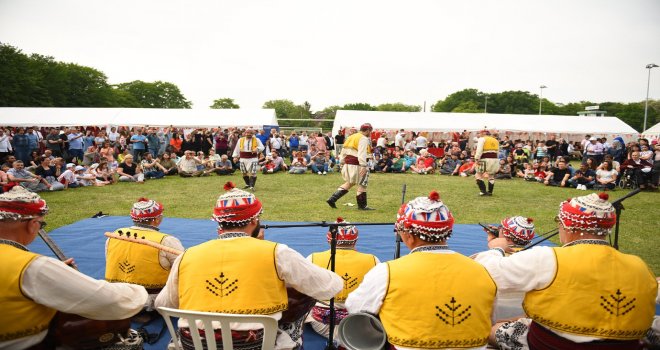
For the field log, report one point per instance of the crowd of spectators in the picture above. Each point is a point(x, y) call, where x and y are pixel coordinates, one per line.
point(54, 159)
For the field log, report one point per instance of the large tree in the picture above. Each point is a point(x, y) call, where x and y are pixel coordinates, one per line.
point(360, 106)
point(159, 94)
point(398, 107)
point(461, 97)
point(286, 109)
point(224, 103)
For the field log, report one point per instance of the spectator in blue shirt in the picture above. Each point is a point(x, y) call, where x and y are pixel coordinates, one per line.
point(153, 143)
point(75, 139)
point(33, 140)
point(139, 142)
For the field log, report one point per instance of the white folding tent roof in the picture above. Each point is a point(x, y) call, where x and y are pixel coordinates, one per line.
point(449, 122)
point(653, 132)
point(19, 116)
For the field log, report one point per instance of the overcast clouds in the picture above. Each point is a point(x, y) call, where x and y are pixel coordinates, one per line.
point(336, 52)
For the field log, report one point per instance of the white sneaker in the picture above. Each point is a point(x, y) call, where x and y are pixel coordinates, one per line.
point(325, 173)
point(319, 173)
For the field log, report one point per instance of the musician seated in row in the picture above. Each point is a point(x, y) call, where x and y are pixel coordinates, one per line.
point(433, 298)
point(137, 263)
point(34, 287)
point(241, 273)
point(583, 295)
point(350, 265)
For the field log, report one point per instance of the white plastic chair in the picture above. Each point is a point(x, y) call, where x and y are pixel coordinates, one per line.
point(269, 323)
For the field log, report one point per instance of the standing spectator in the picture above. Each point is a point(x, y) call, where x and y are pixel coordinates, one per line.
point(221, 143)
point(176, 142)
point(76, 145)
point(594, 150)
point(163, 140)
point(618, 150)
point(33, 140)
point(275, 143)
point(303, 141)
point(5, 145)
point(207, 141)
point(540, 151)
point(505, 146)
point(563, 148)
point(113, 137)
point(107, 153)
point(139, 143)
point(88, 139)
point(329, 142)
point(264, 140)
point(551, 146)
point(21, 146)
point(129, 171)
point(339, 142)
point(421, 142)
point(153, 143)
point(400, 139)
point(606, 176)
point(294, 144)
point(100, 139)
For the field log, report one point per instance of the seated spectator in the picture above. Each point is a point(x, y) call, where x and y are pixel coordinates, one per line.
point(49, 174)
point(540, 172)
point(583, 178)
point(424, 163)
point(188, 165)
point(278, 162)
point(267, 165)
point(169, 166)
point(575, 150)
point(468, 168)
point(519, 154)
point(298, 165)
point(606, 176)
point(102, 173)
point(642, 170)
point(202, 164)
point(68, 177)
point(31, 182)
point(615, 165)
point(527, 174)
point(90, 156)
point(410, 159)
point(224, 166)
point(398, 164)
point(384, 165)
point(83, 177)
point(504, 172)
point(330, 159)
point(107, 152)
point(4, 178)
point(645, 153)
point(129, 171)
point(451, 165)
point(151, 167)
point(558, 175)
point(122, 155)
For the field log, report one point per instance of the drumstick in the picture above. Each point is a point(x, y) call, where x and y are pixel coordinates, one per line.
point(134, 239)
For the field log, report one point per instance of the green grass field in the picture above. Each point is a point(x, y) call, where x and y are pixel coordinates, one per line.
point(302, 198)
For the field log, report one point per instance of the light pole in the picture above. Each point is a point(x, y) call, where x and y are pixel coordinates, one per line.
point(648, 84)
point(486, 105)
point(541, 98)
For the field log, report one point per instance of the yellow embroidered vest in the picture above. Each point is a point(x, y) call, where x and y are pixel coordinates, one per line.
point(491, 144)
point(236, 276)
point(353, 141)
point(241, 143)
point(597, 292)
point(20, 316)
point(437, 301)
point(350, 265)
point(136, 263)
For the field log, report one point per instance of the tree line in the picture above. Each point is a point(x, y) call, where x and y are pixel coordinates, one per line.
point(40, 81)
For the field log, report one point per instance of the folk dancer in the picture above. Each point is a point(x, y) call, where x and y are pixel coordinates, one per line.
point(433, 298)
point(355, 171)
point(248, 148)
point(518, 232)
point(584, 295)
point(256, 271)
point(137, 263)
point(35, 287)
point(350, 265)
point(487, 162)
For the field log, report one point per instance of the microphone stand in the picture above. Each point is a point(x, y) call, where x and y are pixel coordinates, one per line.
point(550, 234)
point(618, 207)
point(397, 248)
point(330, 345)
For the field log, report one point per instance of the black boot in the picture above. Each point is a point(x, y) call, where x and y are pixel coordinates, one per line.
point(335, 197)
point(253, 182)
point(362, 201)
point(490, 187)
point(247, 181)
point(482, 188)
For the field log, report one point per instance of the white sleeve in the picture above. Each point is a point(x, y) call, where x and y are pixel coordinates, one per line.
point(369, 296)
point(304, 276)
point(480, 148)
point(523, 271)
point(260, 145)
point(54, 284)
point(167, 259)
point(169, 295)
point(362, 155)
point(237, 148)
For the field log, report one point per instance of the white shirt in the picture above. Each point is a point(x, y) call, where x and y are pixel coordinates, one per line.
point(421, 141)
point(292, 267)
point(247, 146)
point(381, 142)
point(369, 296)
point(52, 283)
point(400, 140)
point(5, 145)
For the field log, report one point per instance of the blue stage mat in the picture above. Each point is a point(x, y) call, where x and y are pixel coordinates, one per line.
point(84, 241)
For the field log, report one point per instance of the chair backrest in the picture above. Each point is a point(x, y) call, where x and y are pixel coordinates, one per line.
point(269, 323)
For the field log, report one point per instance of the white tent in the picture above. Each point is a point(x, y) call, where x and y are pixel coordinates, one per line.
point(572, 127)
point(19, 116)
point(652, 133)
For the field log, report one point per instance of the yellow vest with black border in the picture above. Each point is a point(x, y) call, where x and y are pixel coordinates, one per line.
point(253, 145)
point(353, 141)
point(20, 316)
point(350, 265)
point(437, 300)
point(491, 144)
point(597, 292)
point(136, 263)
point(236, 276)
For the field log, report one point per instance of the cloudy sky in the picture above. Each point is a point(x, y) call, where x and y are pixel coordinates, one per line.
point(341, 51)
